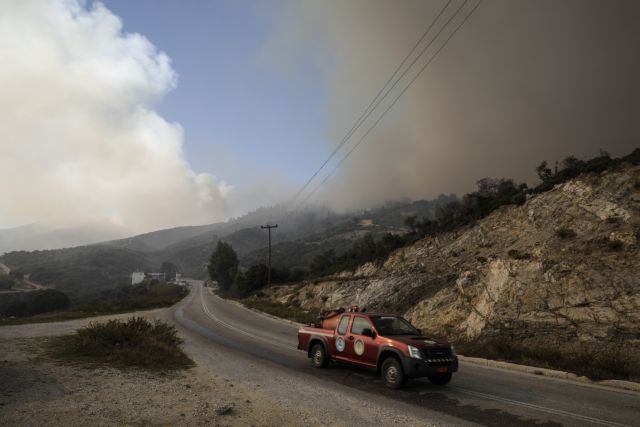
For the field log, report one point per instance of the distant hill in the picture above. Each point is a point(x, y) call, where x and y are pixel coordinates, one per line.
point(300, 237)
point(80, 270)
point(37, 237)
point(158, 240)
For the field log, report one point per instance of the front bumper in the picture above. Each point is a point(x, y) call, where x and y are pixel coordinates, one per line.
point(415, 368)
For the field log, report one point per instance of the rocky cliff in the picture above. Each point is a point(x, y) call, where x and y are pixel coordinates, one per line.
point(564, 267)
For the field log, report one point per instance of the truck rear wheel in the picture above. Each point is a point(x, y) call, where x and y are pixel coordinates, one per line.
point(440, 379)
point(319, 356)
point(392, 373)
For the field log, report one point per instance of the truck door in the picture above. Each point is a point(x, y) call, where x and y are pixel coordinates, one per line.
point(339, 344)
point(361, 349)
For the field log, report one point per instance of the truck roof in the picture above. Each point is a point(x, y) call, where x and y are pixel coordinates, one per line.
point(372, 313)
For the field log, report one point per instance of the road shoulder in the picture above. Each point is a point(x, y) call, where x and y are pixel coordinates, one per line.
point(37, 391)
point(498, 364)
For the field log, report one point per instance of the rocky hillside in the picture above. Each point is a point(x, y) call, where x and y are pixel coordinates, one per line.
point(562, 268)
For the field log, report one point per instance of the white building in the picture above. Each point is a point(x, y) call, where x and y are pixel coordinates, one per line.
point(137, 277)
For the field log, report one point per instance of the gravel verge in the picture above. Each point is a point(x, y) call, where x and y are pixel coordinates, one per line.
point(36, 391)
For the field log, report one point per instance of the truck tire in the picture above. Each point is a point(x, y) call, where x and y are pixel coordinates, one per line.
point(392, 373)
point(319, 356)
point(440, 379)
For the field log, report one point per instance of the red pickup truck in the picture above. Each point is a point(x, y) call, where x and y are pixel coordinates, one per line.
point(386, 343)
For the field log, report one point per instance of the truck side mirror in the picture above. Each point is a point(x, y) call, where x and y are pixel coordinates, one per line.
point(368, 333)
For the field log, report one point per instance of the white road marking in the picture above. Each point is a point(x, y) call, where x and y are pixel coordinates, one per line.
point(473, 393)
point(537, 407)
point(240, 331)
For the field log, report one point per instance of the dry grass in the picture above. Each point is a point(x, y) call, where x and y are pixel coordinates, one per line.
point(290, 312)
point(594, 360)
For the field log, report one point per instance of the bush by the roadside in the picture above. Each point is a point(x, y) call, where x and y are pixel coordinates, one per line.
point(33, 303)
point(27, 307)
point(594, 360)
point(132, 343)
point(290, 312)
point(516, 254)
point(565, 233)
point(143, 296)
point(6, 282)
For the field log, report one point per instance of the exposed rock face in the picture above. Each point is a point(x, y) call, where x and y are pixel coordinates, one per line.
point(563, 266)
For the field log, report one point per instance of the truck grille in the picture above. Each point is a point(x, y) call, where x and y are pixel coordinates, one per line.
point(438, 356)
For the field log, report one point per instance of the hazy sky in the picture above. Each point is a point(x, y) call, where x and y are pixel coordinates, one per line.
point(148, 114)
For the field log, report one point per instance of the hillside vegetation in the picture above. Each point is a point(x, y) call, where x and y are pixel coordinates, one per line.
point(53, 305)
point(551, 278)
point(82, 270)
point(299, 239)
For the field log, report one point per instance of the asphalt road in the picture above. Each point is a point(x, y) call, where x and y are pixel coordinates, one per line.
point(477, 394)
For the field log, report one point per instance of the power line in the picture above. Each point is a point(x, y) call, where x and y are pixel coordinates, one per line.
point(399, 96)
point(400, 78)
point(371, 107)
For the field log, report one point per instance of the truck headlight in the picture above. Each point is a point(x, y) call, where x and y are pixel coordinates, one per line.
point(414, 352)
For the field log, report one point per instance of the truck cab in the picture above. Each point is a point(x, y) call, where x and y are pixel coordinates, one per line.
point(386, 343)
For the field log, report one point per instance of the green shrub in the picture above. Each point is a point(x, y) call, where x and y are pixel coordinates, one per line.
point(128, 298)
point(290, 312)
point(6, 282)
point(615, 245)
point(13, 307)
point(613, 220)
point(46, 300)
point(565, 233)
point(516, 254)
point(294, 302)
point(33, 303)
point(132, 343)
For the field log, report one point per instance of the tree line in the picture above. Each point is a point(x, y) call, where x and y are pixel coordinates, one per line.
point(224, 269)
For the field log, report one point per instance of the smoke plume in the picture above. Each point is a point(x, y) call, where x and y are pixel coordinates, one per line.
point(521, 82)
point(80, 140)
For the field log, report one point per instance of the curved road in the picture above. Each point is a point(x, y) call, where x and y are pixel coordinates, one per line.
point(477, 394)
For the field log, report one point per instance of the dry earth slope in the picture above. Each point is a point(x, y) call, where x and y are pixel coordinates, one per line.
point(564, 267)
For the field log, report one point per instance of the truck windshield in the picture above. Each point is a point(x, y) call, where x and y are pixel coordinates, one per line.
point(393, 325)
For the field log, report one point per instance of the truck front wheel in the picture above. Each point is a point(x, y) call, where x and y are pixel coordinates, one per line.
point(319, 356)
point(392, 373)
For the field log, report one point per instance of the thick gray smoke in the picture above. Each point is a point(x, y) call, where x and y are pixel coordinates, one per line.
point(521, 82)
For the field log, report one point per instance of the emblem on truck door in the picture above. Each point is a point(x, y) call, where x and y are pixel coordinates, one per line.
point(340, 344)
point(358, 347)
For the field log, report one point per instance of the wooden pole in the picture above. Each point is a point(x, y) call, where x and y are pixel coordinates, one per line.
point(269, 227)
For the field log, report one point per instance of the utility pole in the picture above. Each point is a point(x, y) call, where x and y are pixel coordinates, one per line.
point(269, 227)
